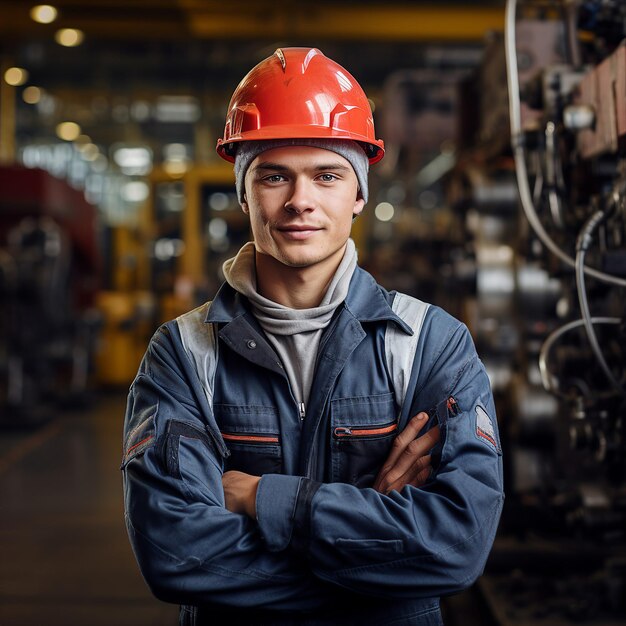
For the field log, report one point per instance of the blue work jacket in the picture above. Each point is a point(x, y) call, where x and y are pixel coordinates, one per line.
point(326, 548)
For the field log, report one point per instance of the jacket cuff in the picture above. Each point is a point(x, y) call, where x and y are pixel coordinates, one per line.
point(276, 499)
point(301, 538)
point(283, 509)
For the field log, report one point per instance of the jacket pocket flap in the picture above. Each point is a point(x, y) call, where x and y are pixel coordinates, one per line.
point(377, 545)
point(174, 430)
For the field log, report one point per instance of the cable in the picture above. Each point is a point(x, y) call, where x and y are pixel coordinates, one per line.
point(552, 166)
point(583, 244)
point(547, 380)
point(517, 142)
point(538, 186)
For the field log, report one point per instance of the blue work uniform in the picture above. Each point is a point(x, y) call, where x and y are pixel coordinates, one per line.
point(325, 548)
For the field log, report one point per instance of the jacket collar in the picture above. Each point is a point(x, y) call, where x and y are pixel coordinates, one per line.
point(366, 301)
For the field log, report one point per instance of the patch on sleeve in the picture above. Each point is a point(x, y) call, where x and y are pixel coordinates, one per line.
point(140, 438)
point(484, 427)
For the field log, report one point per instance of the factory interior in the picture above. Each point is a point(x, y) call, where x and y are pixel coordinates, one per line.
point(501, 198)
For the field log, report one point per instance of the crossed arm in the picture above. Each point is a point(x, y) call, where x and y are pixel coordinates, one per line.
point(408, 463)
point(192, 548)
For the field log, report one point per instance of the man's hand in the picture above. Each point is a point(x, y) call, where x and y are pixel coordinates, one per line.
point(408, 462)
point(240, 492)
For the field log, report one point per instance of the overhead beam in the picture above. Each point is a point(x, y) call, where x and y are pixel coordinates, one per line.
point(332, 21)
point(286, 20)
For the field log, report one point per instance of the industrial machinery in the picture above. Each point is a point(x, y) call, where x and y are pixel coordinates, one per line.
point(549, 312)
point(49, 273)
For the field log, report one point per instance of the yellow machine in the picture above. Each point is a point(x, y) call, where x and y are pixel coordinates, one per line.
point(167, 262)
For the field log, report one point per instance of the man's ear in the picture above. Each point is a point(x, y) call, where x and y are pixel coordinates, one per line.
point(244, 205)
point(358, 206)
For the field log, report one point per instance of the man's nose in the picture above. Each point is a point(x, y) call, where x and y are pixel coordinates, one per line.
point(302, 196)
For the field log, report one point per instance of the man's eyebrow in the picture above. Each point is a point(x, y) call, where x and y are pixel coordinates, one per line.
point(333, 166)
point(271, 166)
point(278, 167)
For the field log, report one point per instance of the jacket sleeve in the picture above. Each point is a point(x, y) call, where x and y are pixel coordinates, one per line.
point(418, 542)
point(189, 547)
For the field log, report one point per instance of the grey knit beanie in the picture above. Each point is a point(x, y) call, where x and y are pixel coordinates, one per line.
point(247, 151)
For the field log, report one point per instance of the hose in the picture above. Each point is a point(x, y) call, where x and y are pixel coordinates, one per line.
point(519, 155)
point(583, 244)
point(547, 380)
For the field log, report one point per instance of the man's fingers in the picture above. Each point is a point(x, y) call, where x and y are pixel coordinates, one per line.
point(416, 476)
point(406, 448)
point(396, 479)
point(411, 454)
point(409, 433)
point(423, 444)
point(421, 478)
point(411, 430)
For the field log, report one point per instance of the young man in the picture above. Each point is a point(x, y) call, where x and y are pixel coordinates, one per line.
point(309, 448)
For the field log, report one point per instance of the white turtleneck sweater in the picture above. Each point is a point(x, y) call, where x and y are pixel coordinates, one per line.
point(294, 333)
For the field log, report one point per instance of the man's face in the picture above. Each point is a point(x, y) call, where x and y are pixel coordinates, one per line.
point(301, 201)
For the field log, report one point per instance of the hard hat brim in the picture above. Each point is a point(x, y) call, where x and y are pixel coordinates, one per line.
point(375, 151)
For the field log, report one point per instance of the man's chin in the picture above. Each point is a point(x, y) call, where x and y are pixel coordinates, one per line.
point(298, 262)
point(303, 256)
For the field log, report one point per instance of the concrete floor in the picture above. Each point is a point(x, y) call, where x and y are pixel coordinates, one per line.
point(65, 559)
point(64, 555)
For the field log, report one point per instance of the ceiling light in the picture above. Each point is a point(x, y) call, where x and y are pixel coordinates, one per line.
point(177, 109)
point(16, 76)
point(68, 131)
point(31, 95)
point(89, 151)
point(219, 201)
point(69, 37)
point(82, 140)
point(132, 159)
point(135, 191)
point(384, 211)
point(218, 228)
point(175, 152)
point(176, 169)
point(44, 13)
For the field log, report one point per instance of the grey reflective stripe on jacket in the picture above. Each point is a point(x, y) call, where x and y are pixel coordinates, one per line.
point(323, 537)
point(400, 349)
point(200, 343)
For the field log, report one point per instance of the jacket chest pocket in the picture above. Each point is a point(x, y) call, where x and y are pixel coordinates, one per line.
point(252, 435)
point(362, 432)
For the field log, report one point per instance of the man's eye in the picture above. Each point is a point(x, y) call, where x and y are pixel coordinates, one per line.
point(327, 178)
point(274, 178)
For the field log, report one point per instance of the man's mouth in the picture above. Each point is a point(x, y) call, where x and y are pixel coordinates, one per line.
point(299, 231)
point(299, 227)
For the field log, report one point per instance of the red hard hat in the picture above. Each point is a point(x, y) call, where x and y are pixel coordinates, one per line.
point(298, 93)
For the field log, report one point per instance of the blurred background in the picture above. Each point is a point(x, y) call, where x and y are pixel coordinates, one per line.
point(502, 198)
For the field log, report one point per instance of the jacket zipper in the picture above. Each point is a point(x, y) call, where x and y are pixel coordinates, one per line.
point(302, 411)
point(327, 333)
point(349, 432)
point(258, 439)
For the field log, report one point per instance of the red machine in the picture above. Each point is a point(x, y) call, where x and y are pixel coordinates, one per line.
point(49, 275)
